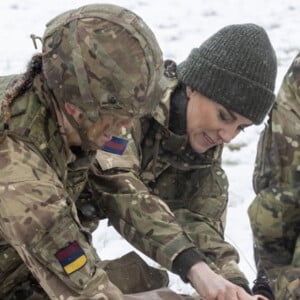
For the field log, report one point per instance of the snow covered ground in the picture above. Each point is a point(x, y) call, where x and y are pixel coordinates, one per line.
point(179, 26)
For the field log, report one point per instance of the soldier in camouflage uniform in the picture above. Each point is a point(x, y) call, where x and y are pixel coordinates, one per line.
point(167, 195)
point(275, 212)
point(99, 68)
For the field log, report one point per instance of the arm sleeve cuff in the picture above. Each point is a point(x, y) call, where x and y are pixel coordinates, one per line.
point(185, 260)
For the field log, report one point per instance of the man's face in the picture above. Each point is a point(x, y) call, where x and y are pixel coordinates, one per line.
point(99, 132)
point(102, 131)
point(210, 124)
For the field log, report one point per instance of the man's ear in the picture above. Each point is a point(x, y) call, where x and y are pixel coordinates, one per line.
point(70, 108)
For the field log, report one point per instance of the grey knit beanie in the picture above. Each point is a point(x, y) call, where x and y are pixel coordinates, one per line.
point(235, 67)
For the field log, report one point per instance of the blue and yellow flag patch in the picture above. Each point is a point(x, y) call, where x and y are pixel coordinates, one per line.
point(72, 257)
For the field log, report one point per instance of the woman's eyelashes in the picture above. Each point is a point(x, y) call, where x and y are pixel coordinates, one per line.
point(224, 116)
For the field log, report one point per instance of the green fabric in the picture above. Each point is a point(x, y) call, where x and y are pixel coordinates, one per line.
point(275, 212)
point(132, 275)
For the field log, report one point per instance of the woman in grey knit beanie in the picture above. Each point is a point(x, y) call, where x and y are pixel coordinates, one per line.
point(236, 70)
point(225, 85)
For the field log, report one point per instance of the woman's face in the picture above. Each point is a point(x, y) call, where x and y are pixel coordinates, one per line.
point(210, 123)
point(98, 132)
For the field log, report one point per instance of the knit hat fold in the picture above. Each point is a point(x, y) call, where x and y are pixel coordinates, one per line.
point(235, 67)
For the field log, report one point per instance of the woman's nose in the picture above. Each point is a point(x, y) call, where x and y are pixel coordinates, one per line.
point(227, 134)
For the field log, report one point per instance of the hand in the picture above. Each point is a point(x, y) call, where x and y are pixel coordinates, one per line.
point(212, 286)
point(260, 297)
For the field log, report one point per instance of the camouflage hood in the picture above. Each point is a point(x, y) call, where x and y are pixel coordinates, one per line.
point(102, 58)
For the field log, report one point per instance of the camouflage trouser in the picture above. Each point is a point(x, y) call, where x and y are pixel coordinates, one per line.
point(275, 221)
point(129, 273)
point(39, 221)
point(24, 288)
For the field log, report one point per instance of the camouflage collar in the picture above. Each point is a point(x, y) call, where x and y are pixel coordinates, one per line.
point(162, 111)
point(177, 122)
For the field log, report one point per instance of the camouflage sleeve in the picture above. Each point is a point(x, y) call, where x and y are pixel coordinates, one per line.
point(277, 159)
point(142, 218)
point(39, 220)
point(205, 222)
point(274, 213)
point(148, 223)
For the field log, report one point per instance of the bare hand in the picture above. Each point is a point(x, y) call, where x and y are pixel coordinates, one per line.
point(212, 286)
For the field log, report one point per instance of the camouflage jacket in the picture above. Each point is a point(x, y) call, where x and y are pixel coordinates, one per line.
point(159, 167)
point(275, 212)
point(40, 180)
point(278, 154)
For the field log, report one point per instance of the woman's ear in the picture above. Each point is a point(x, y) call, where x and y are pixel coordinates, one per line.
point(188, 91)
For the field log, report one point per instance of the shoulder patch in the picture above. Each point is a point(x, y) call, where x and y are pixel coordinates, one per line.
point(72, 257)
point(116, 145)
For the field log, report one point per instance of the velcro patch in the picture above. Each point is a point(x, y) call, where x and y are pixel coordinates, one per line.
point(116, 145)
point(72, 257)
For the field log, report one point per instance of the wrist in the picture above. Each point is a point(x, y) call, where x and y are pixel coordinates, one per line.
point(185, 261)
point(198, 268)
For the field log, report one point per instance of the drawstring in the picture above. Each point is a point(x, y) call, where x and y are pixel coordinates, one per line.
point(34, 38)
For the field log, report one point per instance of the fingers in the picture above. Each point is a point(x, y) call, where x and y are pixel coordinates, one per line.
point(260, 297)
